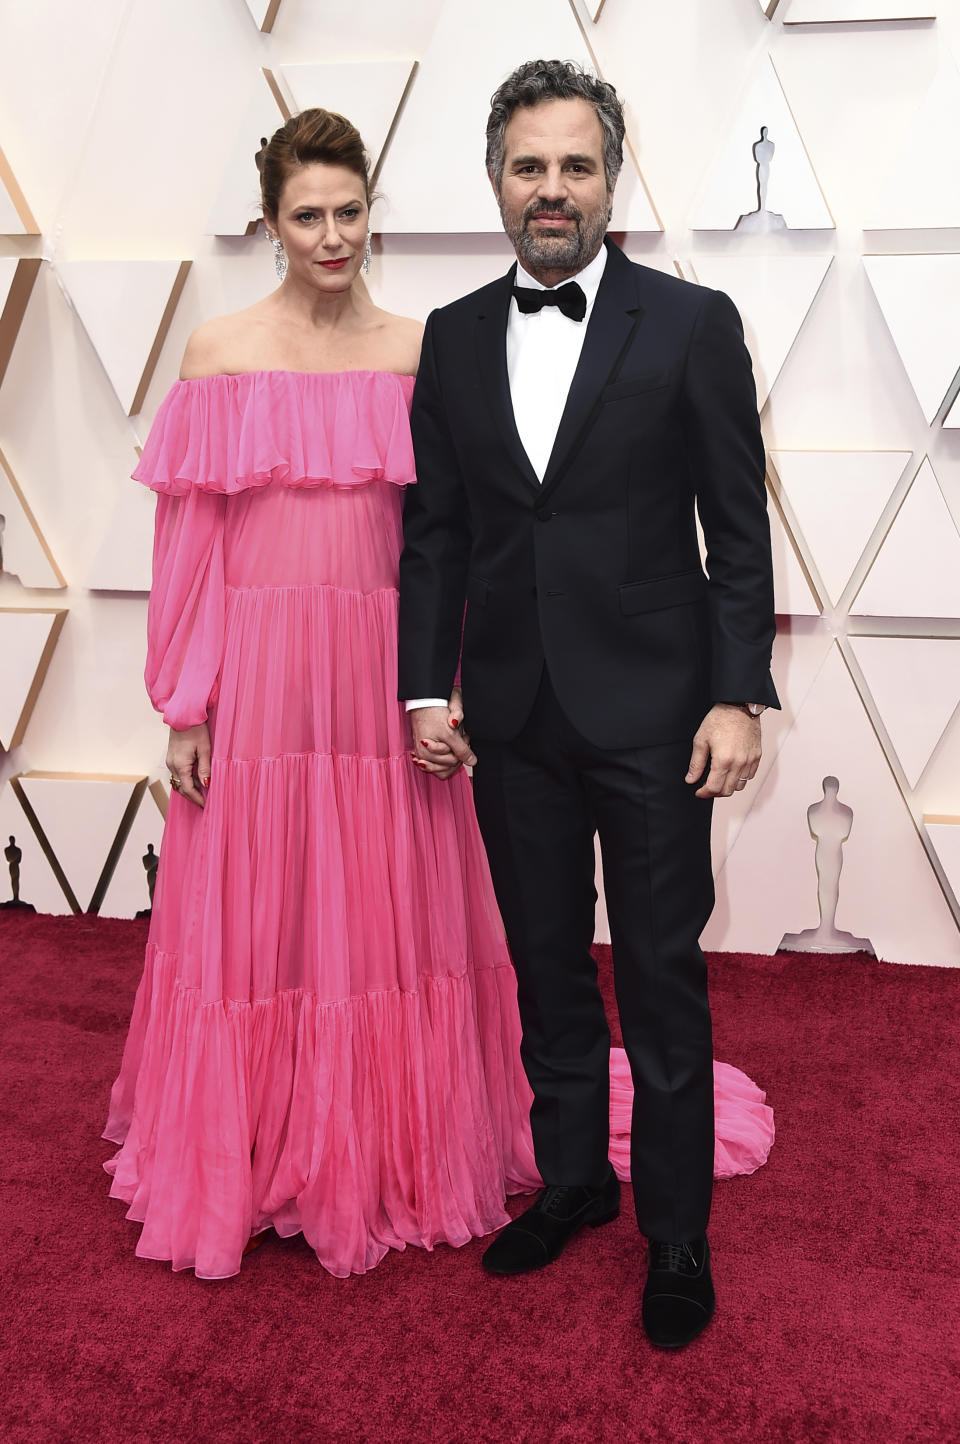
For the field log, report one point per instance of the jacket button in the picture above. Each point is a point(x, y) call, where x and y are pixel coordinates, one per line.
point(543, 514)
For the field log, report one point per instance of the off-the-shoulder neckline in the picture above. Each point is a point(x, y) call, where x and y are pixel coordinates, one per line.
point(281, 371)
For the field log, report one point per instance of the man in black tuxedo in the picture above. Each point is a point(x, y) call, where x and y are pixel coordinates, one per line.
point(569, 421)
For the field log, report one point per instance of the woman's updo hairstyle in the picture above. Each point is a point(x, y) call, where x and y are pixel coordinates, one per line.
point(314, 136)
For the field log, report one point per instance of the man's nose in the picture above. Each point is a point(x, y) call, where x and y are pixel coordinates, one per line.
point(553, 184)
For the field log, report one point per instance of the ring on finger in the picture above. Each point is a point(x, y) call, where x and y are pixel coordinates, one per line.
point(175, 783)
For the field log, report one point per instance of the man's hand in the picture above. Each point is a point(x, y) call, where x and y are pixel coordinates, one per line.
point(189, 752)
point(729, 740)
point(440, 745)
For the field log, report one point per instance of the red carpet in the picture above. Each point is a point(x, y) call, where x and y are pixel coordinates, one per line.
point(837, 1265)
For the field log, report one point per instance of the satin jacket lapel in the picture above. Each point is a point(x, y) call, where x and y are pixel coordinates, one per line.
point(492, 356)
point(615, 316)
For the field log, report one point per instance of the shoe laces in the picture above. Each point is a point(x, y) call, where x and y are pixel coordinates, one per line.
point(555, 1200)
point(676, 1258)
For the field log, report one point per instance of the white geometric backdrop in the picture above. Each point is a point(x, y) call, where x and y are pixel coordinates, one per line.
point(128, 209)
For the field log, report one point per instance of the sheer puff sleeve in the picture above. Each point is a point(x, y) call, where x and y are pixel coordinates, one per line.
point(185, 615)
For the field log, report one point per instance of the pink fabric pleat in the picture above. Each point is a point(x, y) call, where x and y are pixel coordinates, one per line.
point(326, 1036)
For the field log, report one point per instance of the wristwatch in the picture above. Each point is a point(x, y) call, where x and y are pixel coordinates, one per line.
point(753, 709)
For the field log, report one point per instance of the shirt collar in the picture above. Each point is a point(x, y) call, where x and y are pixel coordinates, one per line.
point(588, 279)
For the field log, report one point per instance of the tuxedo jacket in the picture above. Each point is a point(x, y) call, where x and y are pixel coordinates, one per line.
point(596, 571)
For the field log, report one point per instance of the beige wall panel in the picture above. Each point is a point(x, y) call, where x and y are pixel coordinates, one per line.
point(128, 892)
point(922, 188)
point(236, 208)
point(888, 890)
point(480, 47)
point(920, 300)
point(17, 278)
point(24, 553)
point(827, 12)
point(837, 498)
point(126, 308)
point(368, 92)
point(917, 570)
point(731, 189)
point(773, 295)
point(80, 818)
point(53, 63)
point(38, 882)
point(264, 12)
point(124, 560)
point(16, 217)
point(799, 652)
point(915, 686)
point(792, 592)
point(27, 643)
point(944, 834)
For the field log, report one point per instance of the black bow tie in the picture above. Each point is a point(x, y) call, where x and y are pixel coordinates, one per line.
point(569, 298)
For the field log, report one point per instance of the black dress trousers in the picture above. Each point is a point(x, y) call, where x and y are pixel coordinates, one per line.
point(540, 798)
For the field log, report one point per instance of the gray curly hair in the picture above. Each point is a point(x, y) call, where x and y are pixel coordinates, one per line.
point(539, 80)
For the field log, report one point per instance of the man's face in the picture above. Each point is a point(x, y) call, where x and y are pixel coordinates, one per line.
point(553, 200)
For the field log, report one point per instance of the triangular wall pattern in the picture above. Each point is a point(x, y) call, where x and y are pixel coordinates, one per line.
point(920, 300)
point(773, 295)
point(731, 189)
point(124, 559)
point(837, 498)
point(23, 551)
point(479, 46)
point(768, 7)
point(922, 188)
point(944, 834)
point(126, 308)
point(952, 418)
point(128, 892)
point(16, 283)
point(836, 12)
point(917, 570)
point(798, 655)
point(27, 643)
point(264, 13)
point(84, 819)
point(16, 217)
point(792, 593)
point(370, 92)
point(915, 684)
point(38, 883)
point(236, 209)
point(888, 890)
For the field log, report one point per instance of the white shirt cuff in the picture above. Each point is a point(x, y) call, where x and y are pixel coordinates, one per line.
point(416, 702)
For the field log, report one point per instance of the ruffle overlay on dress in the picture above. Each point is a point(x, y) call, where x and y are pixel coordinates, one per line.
point(229, 433)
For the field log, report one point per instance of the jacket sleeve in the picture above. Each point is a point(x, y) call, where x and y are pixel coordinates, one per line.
point(186, 610)
point(436, 551)
point(725, 447)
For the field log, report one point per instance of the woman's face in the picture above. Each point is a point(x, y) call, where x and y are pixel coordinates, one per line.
point(322, 222)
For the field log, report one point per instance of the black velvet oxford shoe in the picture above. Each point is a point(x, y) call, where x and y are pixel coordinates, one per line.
point(540, 1234)
point(678, 1298)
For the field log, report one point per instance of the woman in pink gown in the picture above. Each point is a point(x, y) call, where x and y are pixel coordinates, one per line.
point(325, 1039)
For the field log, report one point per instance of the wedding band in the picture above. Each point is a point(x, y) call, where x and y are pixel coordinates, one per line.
point(743, 779)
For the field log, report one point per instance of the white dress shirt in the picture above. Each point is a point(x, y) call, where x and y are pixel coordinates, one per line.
point(543, 348)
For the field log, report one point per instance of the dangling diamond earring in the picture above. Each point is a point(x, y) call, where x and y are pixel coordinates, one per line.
point(367, 254)
point(279, 255)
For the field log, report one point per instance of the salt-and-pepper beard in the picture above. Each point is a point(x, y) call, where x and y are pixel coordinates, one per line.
point(556, 252)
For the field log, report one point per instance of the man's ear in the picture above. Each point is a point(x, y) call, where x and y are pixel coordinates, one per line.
point(493, 186)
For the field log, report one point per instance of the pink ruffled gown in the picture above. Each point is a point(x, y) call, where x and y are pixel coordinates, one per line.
point(325, 1038)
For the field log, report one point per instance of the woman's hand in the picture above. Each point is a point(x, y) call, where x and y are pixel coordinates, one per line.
point(188, 758)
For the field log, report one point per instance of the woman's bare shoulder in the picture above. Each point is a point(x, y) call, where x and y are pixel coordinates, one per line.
point(220, 345)
point(404, 336)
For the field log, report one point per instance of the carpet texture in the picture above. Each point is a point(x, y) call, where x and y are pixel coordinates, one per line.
point(837, 1265)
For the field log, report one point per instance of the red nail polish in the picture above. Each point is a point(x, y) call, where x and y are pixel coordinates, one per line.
point(454, 721)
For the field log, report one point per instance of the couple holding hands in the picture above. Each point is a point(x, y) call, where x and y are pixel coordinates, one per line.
point(383, 554)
